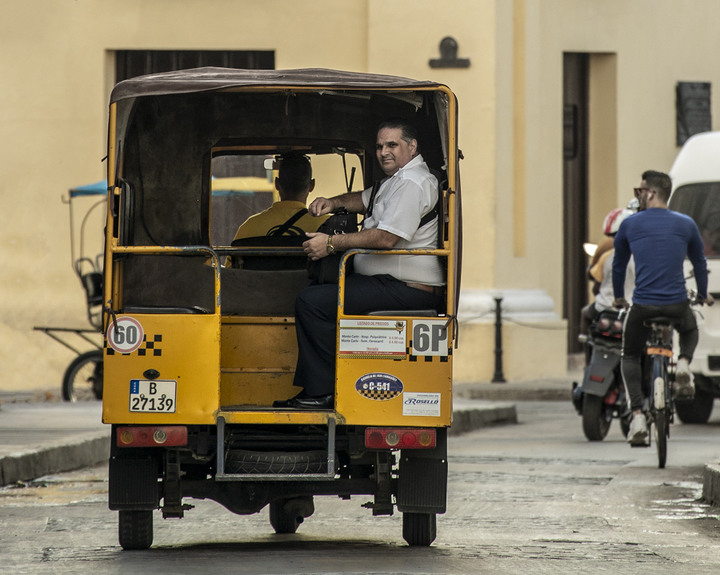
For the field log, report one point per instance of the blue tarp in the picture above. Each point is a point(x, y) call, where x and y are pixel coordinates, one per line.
point(96, 189)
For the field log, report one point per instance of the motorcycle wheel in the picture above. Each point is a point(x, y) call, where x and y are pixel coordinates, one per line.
point(596, 417)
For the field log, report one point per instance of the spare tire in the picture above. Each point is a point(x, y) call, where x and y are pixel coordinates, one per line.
point(281, 462)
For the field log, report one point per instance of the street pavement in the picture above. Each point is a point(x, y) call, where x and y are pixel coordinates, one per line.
point(40, 435)
point(40, 438)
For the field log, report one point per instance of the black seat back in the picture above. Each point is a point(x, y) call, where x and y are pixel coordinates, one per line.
point(270, 259)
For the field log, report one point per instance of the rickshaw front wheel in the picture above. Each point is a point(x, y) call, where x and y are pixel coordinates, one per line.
point(419, 529)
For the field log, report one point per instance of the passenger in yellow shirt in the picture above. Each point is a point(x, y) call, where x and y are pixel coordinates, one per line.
point(294, 183)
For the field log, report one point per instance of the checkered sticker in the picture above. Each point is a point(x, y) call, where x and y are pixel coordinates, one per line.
point(379, 386)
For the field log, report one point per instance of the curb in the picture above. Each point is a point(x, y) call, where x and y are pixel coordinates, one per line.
point(63, 455)
point(470, 415)
point(711, 484)
point(549, 390)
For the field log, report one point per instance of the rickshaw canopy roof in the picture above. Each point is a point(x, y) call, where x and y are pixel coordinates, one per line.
point(208, 79)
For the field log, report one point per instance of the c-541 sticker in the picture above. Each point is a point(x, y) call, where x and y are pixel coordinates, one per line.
point(379, 386)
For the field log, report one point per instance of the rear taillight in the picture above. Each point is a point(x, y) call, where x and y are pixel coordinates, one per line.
point(399, 438)
point(151, 436)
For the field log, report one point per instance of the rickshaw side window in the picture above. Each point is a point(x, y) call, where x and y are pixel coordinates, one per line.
point(702, 203)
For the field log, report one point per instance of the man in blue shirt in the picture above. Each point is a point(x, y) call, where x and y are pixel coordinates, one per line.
point(659, 240)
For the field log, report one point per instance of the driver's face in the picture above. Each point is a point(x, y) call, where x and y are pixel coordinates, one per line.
point(392, 151)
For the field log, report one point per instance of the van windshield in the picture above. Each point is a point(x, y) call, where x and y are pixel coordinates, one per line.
point(702, 203)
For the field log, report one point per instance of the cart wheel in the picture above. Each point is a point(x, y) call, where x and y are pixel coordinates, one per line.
point(419, 529)
point(135, 529)
point(83, 379)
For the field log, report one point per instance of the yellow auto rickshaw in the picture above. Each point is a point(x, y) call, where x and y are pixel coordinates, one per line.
point(196, 350)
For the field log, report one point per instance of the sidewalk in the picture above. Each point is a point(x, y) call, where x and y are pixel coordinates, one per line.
point(40, 438)
point(43, 437)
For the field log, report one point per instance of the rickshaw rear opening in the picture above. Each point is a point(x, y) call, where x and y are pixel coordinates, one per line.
point(200, 331)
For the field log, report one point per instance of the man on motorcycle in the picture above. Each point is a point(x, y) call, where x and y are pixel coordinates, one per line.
point(659, 240)
point(600, 270)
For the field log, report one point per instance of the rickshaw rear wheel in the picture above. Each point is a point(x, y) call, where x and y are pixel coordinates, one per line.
point(286, 515)
point(135, 529)
point(419, 529)
point(83, 379)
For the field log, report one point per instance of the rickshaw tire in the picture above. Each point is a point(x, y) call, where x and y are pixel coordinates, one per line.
point(419, 529)
point(135, 529)
point(94, 357)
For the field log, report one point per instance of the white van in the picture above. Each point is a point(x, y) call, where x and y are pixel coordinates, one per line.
point(696, 192)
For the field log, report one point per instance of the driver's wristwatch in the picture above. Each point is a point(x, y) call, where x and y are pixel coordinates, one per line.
point(330, 247)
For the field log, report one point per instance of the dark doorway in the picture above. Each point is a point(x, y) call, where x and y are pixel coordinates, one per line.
point(131, 63)
point(575, 191)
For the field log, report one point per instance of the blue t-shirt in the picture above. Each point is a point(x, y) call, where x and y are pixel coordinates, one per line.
point(659, 239)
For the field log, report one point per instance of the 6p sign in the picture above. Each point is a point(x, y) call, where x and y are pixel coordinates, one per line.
point(125, 335)
point(429, 337)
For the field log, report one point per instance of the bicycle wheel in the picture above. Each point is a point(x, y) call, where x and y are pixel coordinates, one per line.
point(661, 437)
point(661, 408)
point(84, 377)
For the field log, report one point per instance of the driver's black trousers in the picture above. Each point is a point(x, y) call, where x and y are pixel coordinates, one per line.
point(635, 336)
point(316, 311)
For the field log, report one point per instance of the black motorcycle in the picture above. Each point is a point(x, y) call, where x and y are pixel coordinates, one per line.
point(601, 397)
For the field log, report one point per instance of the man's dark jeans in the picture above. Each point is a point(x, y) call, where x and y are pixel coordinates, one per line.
point(635, 336)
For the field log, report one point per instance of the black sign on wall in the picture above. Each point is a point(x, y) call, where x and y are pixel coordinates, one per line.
point(692, 106)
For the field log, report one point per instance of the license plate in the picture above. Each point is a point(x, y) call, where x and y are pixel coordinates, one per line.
point(152, 395)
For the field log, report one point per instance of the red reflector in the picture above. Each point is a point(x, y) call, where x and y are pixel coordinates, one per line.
point(151, 436)
point(597, 378)
point(400, 438)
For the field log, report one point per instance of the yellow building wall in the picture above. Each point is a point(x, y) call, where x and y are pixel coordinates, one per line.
point(57, 72)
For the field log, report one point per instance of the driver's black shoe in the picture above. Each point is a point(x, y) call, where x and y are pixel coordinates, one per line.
point(305, 402)
point(287, 403)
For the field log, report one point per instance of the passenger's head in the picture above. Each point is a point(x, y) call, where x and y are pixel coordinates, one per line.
point(294, 181)
point(656, 183)
point(396, 144)
point(615, 217)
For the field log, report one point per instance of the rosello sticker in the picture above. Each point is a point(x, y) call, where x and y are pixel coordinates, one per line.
point(125, 335)
point(379, 386)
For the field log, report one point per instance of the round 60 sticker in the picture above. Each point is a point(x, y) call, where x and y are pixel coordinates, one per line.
point(125, 335)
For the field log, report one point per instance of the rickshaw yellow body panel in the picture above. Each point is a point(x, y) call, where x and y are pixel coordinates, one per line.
point(184, 349)
point(258, 356)
point(384, 379)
